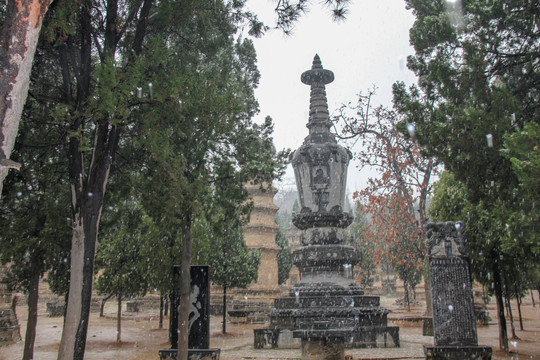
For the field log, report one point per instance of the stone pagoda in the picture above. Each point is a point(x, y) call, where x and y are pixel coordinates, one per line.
point(252, 305)
point(326, 309)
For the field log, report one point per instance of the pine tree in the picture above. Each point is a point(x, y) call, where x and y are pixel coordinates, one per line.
point(478, 81)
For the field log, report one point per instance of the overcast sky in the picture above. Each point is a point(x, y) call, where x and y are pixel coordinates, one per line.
point(369, 48)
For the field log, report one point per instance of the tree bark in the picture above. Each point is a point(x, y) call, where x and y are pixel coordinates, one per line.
point(427, 323)
point(518, 300)
point(18, 41)
point(119, 319)
point(30, 336)
point(509, 308)
point(224, 326)
point(88, 184)
point(83, 249)
point(407, 298)
point(102, 307)
point(185, 289)
point(497, 287)
point(161, 303)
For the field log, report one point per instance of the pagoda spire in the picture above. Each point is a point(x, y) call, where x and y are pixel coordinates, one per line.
point(319, 118)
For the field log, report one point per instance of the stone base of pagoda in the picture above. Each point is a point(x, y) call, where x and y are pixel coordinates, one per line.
point(328, 348)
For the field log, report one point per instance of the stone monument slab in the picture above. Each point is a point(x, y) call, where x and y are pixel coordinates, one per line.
point(199, 310)
point(454, 320)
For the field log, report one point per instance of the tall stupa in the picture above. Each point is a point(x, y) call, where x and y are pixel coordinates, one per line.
point(326, 309)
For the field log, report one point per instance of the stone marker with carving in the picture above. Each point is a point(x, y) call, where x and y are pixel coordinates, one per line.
point(454, 321)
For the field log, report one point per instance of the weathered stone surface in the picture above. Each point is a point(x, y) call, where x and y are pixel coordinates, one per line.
point(308, 219)
point(9, 328)
point(320, 257)
point(325, 236)
point(57, 308)
point(320, 164)
point(323, 349)
point(453, 307)
point(457, 352)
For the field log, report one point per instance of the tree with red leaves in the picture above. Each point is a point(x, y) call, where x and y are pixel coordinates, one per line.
point(395, 200)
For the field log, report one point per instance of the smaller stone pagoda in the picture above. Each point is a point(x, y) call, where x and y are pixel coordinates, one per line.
point(252, 305)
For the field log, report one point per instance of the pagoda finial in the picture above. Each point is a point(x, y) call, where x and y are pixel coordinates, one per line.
point(319, 120)
point(317, 75)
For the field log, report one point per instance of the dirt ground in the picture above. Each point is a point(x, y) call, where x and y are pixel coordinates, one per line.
point(141, 337)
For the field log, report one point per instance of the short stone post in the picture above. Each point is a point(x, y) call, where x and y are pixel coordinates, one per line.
point(454, 321)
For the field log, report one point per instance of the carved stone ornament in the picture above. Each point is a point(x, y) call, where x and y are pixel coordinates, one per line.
point(446, 239)
point(320, 164)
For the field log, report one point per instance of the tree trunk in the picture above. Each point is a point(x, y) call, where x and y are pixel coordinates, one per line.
point(87, 202)
point(509, 307)
point(83, 249)
point(185, 289)
point(427, 323)
point(407, 299)
point(102, 307)
point(518, 300)
point(497, 287)
point(532, 298)
point(88, 184)
point(119, 319)
point(224, 326)
point(18, 41)
point(161, 303)
point(30, 337)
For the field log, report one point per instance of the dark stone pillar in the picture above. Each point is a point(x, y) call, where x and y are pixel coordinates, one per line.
point(175, 303)
point(199, 315)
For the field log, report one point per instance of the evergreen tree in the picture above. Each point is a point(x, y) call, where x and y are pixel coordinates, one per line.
point(366, 248)
point(122, 261)
point(107, 74)
point(478, 80)
point(232, 265)
point(284, 261)
point(34, 215)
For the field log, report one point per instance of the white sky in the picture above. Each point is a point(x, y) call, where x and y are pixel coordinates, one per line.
point(369, 48)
